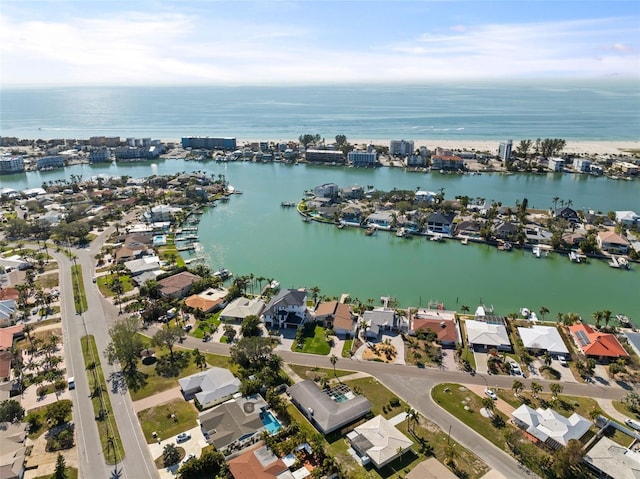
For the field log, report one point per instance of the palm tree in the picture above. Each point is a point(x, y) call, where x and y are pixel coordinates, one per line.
point(607, 317)
point(546, 357)
point(517, 386)
point(536, 388)
point(559, 316)
point(412, 416)
point(555, 202)
point(315, 292)
point(556, 388)
point(489, 405)
point(597, 317)
point(464, 308)
point(334, 360)
point(450, 455)
point(543, 311)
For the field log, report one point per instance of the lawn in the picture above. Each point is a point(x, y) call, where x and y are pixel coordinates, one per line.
point(170, 254)
point(565, 405)
point(208, 325)
point(308, 372)
point(71, 473)
point(468, 355)
point(624, 409)
point(346, 348)
point(41, 422)
point(316, 344)
point(104, 282)
point(50, 280)
point(107, 428)
point(168, 419)
point(79, 296)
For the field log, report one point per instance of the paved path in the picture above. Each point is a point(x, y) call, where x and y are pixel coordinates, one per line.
point(501, 404)
point(607, 407)
point(157, 399)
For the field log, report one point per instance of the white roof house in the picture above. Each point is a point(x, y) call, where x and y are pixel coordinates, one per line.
point(139, 266)
point(379, 440)
point(543, 338)
point(628, 218)
point(614, 460)
point(241, 307)
point(480, 333)
point(550, 427)
point(210, 387)
point(378, 320)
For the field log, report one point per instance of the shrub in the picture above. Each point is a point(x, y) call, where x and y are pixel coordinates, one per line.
point(394, 402)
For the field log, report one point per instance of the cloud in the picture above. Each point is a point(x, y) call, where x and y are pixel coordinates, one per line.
point(619, 47)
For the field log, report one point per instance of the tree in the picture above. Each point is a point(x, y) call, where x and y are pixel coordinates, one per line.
point(229, 332)
point(536, 388)
point(412, 417)
point(523, 148)
point(170, 454)
point(632, 401)
point(567, 459)
point(253, 349)
point(58, 411)
point(489, 405)
point(307, 139)
point(199, 358)
point(61, 468)
point(597, 318)
point(517, 386)
point(150, 289)
point(168, 337)
point(315, 292)
point(543, 311)
point(11, 410)
point(250, 326)
point(556, 388)
point(617, 368)
point(546, 358)
point(334, 360)
point(125, 345)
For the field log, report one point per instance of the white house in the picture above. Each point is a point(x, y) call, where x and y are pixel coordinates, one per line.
point(379, 320)
point(556, 164)
point(210, 387)
point(483, 335)
point(543, 338)
point(628, 218)
point(379, 441)
point(548, 426)
point(287, 309)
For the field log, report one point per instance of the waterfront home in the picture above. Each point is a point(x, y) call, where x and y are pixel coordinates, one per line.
point(130, 252)
point(8, 334)
point(612, 242)
point(14, 450)
point(240, 308)
point(354, 192)
point(287, 309)
point(447, 163)
point(549, 427)
point(382, 219)
point(401, 147)
point(609, 459)
point(556, 164)
point(259, 463)
point(567, 214)
point(210, 387)
point(441, 322)
point(378, 441)
point(328, 409)
point(537, 234)
point(178, 285)
point(595, 344)
point(328, 190)
point(425, 196)
point(208, 301)
point(628, 218)
point(626, 168)
point(416, 161)
point(582, 165)
point(336, 316)
point(324, 156)
point(505, 230)
point(537, 339)
point(483, 335)
point(634, 341)
point(379, 320)
point(440, 223)
point(469, 228)
point(351, 214)
point(574, 238)
point(142, 265)
point(236, 423)
point(161, 213)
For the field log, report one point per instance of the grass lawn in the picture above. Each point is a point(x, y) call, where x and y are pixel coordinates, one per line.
point(104, 282)
point(308, 372)
point(208, 325)
point(618, 437)
point(41, 423)
point(565, 405)
point(170, 254)
point(159, 419)
point(316, 344)
point(622, 408)
point(346, 348)
point(468, 355)
point(79, 296)
point(107, 428)
point(71, 473)
point(50, 280)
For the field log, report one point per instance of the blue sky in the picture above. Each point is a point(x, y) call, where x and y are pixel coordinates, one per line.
point(95, 42)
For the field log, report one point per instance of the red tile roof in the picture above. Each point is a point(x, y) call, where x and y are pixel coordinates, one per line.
point(600, 344)
point(445, 333)
point(8, 334)
point(248, 466)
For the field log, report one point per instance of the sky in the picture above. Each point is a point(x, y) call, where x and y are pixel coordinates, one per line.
point(116, 42)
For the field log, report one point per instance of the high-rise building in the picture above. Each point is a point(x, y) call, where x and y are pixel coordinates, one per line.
point(401, 147)
point(504, 150)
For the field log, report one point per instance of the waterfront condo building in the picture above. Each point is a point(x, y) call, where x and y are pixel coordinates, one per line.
point(582, 165)
point(556, 164)
point(209, 143)
point(11, 164)
point(100, 155)
point(48, 162)
point(324, 156)
point(401, 147)
point(504, 150)
point(363, 158)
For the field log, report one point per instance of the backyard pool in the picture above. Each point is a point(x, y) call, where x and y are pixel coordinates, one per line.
point(271, 424)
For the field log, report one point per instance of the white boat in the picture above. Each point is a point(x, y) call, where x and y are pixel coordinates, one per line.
point(401, 233)
point(536, 251)
point(436, 237)
point(613, 262)
point(465, 241)
point(274, 285)
point(574, 257)
point(623, 262)
point(525, 312)
point(624, 320)
point(223, 273)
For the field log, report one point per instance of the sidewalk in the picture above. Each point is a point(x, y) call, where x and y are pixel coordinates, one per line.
point(157, 399)
point(607, 408)
point(501, 405)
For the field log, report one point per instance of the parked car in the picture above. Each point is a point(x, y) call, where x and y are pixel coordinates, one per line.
point(71, 383)
point(515, 369)
point(491, 394)
point(188, 458)
point(182, 437)
point(563, 361)
point(633, 424)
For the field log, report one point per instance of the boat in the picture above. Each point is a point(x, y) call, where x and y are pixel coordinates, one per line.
point(436, 237)
point(371, 230)
point(306, 219)
point(274, 285)
point(623, 320)
point(525, 312)
point(574, 257)
point(613, 262)
point(223, 273)
point(623, 262)
point(340, 225)
point(536, 251)
point(287, 204)
point(465, 241)
point(401, 233)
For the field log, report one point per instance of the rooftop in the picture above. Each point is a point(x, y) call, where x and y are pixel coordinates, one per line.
point(380, 440)
point(595, 343)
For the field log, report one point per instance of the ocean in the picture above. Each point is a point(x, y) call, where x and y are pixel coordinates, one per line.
point(572, 110)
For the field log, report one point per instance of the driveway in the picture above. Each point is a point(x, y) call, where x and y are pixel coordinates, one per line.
point(157, 399)
point(481, 362)
point(449, 362)
point(566, 376)
point(192, 446)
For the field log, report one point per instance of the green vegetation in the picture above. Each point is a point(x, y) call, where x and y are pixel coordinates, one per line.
point(309, 372)
point(105, 285)
point(206, 327)
point(107, 429)
point(346, 348)
point(167, 419)
point(79, 295)
point(315, 341)
point(170, 254)
point(467, 355)
point(71, 473)
point(50, 280)
point(565, 405)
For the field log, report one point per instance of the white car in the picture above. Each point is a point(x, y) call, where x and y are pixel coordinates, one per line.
point(188, 458)
point(515, 369)
point(182, 437)
point(491, 394)
point(563, 361)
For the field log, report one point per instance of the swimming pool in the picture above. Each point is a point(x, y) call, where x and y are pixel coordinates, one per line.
point(271, 424)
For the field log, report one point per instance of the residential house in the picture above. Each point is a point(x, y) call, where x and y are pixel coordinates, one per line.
point(426, 196)
point(237, 422)
point(483, 335)
point(550, 427)
point(440, 223)
point(142, 265)
point(161, 213)
point(611, 460)
point(378, 441)
point(336, 316)
point(447, 163)
point(440, 322)
point(7, 311)
point(210, 387)
point(538, 339)
point(470, 228)
point(328, 409)
point(287, 309)
point(178, 285)
point(628, 218)
point(379, 320)
point(327, 190)
point(595, 344)
point(634, 341)
point(612, 242)
point(354, 192)
point(505, 230)
point(130, 252)
point(567, 214)
point(382, 219)
point(351, 214)
point(595, 219)
point(556, 164)
point(13, 450)
point(208, 301)
point(240, 308)
point(259, 463)
point(9, 334)
point(430, 469)
point(416, 161)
